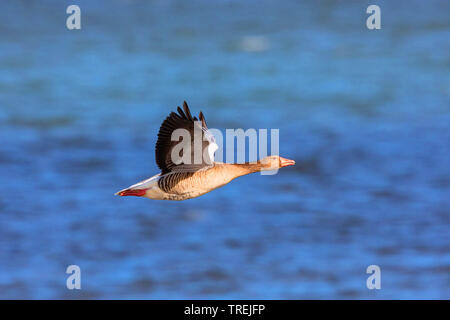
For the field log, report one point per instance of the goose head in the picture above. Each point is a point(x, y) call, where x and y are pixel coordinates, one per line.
point(275, 162)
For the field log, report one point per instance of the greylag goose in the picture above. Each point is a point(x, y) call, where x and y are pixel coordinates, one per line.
point(185, 181)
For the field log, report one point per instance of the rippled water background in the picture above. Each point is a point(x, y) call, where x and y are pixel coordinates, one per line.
point(364, 113)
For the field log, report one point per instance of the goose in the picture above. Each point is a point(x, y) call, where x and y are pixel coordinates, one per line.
point(187, 179)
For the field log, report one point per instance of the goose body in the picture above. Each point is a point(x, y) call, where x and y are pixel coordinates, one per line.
point(181, 181)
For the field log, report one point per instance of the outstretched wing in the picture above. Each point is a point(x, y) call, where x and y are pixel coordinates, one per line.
point(176, 150)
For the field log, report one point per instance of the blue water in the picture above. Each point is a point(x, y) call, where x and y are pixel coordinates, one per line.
point(365, 114)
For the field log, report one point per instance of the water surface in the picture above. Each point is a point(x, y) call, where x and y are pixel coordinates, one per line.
point(365, 114)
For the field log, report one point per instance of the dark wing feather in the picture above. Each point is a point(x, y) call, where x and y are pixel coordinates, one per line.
point(164, 144)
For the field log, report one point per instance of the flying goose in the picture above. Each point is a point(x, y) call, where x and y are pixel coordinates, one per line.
point(189, 179)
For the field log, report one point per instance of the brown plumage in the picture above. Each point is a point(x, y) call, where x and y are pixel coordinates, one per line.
point(185, 176)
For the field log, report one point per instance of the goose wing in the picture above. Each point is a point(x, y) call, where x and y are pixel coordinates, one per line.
point(176, 149)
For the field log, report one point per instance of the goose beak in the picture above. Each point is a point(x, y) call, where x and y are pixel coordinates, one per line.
point(286, 162)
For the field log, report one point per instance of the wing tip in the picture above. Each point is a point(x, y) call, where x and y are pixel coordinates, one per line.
point(187, 111)
point(181, 113)
point(201, 116)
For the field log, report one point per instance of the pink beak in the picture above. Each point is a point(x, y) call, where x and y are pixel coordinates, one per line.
point(286, 162)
